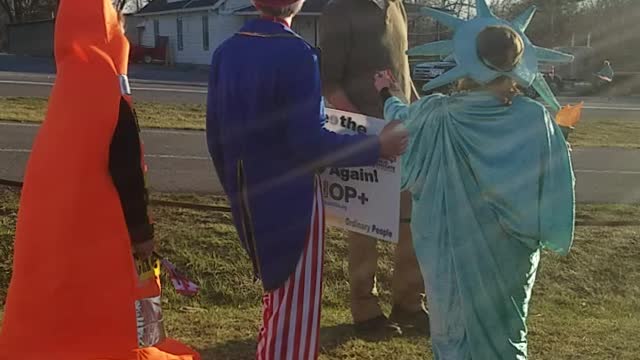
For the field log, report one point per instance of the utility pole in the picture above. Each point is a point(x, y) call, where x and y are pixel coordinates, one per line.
point(573, 39)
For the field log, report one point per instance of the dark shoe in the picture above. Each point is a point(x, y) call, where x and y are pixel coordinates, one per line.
point(377, 328)
point(414, 320)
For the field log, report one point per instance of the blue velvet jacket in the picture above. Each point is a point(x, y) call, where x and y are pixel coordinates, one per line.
point(265, 118)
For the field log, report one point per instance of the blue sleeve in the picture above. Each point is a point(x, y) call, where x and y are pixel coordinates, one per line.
point(395, 109)
point(305, 133)
point(421, 120)
point(557, 197)
point(214, 138)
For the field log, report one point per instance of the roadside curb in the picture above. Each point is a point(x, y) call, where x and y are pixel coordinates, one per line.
point(52, 77)
point(171, 83)
point(25, 123)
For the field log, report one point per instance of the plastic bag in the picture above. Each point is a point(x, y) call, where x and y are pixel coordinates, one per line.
point(150, 322)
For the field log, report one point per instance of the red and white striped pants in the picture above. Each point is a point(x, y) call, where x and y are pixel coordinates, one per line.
point(291, 314)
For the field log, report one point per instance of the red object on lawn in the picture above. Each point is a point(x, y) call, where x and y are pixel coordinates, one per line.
point(181, 283)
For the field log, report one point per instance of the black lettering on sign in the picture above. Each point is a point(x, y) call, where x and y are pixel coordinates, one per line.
point(338, 192)
point(385, 233)
point(363, 198)
point(355, 174)
point(346, 122)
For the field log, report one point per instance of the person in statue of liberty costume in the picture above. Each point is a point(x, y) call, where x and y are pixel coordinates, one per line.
point(604, 78)
point(606, 73)
point(492, 184)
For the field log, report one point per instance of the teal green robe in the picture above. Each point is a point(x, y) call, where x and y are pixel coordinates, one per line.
point(492, 185)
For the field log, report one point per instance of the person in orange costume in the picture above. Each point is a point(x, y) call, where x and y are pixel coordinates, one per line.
point(83, 208)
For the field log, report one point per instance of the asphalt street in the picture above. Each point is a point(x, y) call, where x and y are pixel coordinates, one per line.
point(39, 85)
point(178, 162)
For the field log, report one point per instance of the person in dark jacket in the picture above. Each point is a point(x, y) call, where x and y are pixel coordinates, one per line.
point(265, 118)
point(359, 38)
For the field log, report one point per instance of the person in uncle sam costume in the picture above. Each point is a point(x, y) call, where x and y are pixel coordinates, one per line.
point(265, 118)
point(83, 214)
point(492, 183)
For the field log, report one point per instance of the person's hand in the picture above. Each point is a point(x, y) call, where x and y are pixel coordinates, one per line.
point(144, 250)
point(384, 79)
point(394, 140)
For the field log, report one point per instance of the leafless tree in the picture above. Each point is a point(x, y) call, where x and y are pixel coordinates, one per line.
point(27, 10)
point(120, 4)
point(610, 27)
point(457, 7)
point(30, 10)
point(129, 6)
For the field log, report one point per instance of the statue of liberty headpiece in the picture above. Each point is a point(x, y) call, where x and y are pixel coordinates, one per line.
point(463, 49)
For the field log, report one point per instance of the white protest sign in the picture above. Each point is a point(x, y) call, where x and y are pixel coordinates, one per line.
point(365, 200)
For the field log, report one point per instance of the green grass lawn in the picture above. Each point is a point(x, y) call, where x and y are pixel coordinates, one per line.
point(607, 133)
point(151, 115)
point(622, 132)
point(585, 305)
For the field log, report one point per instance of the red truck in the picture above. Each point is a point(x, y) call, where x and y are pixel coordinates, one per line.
point(148, 54)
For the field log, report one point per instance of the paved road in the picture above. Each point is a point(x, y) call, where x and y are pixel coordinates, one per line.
point(46, 66)
point(39, 85)
point(35, 84)
point(179, 162)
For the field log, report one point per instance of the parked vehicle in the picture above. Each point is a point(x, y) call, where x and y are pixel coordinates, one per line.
point(147, 54)
point(424, 72)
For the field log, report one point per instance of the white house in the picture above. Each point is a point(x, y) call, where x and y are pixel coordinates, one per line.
point(196, 27)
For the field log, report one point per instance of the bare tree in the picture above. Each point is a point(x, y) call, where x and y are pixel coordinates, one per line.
point(425, 29)
point(610, 27)
point(129, 6)
point(457, 7)
point(28, 10)
point(119, 4)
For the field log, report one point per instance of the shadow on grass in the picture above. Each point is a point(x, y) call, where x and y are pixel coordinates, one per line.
point(334, 337)
point(331, 338)
point(231, 350)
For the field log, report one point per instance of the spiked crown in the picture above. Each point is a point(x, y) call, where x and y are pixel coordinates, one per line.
point(463, 50)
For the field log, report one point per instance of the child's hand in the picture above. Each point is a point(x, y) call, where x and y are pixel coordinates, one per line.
point(569, 115)
point(384, 79)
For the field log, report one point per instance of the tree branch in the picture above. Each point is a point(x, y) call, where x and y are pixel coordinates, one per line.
point(6, 5)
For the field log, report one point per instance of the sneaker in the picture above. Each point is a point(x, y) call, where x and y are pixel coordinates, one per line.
point(414, 320)
point(377, 328)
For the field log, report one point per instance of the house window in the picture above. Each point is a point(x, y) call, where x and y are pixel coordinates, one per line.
point(205, 32)
point(180, 35)
point(156, 31)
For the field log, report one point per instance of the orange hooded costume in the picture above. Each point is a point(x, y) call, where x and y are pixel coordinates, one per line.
point(73, 291)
